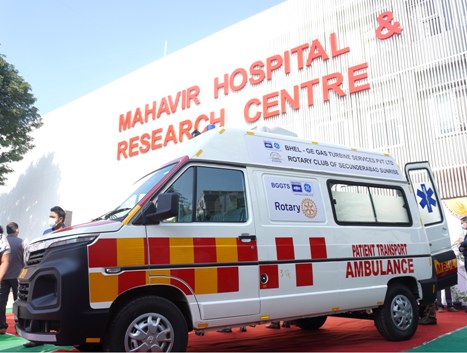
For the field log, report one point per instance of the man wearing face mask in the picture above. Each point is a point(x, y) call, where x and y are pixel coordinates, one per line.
point(56, 219)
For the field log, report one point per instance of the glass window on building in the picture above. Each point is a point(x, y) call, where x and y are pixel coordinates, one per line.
point(455, 12)
point(433, 16)
point(334, 129)
point(385, 128)
point(443, 91)
point(462, 5)
point(448, 110)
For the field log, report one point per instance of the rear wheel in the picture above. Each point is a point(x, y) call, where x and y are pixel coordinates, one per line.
point(397, 319)
point(148, 324)
point(311, 323)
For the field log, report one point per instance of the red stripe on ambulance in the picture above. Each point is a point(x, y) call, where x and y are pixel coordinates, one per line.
point(103, 253)
point(159, 251)
point(129, 280)
point(269, 276)
point(304, 274)
point(318, 248)
point(285, 249)
point(227, 279)
point(205, 250)
point(187, 275)
point(247, 251)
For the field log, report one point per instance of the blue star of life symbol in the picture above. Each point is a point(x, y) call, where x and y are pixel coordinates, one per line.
point(427, 198)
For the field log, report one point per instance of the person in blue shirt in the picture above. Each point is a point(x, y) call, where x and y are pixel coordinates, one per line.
point(56, 219)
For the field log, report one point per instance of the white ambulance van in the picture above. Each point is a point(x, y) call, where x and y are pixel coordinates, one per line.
point(244, 227)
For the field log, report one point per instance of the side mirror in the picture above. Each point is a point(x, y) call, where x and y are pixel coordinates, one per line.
point(167, 206)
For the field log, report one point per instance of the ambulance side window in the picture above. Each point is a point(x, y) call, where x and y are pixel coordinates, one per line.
point(210, 195)
point(355, 203)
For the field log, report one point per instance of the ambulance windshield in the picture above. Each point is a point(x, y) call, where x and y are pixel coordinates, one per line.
point(141, 188)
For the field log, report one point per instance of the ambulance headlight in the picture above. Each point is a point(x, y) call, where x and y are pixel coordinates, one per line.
point(74, 241)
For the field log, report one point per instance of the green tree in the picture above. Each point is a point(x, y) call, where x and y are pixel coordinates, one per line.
point(18, 117)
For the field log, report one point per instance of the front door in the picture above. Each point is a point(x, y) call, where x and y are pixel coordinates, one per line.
point(209, 249)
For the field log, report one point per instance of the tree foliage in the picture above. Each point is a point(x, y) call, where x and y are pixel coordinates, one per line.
point(18, 117)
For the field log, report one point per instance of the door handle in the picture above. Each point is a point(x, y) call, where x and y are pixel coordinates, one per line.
point(245, 237)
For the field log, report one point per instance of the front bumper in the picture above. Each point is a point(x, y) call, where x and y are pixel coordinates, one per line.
point(53, 300)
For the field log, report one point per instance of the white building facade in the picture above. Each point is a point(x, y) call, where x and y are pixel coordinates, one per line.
point(389, 75)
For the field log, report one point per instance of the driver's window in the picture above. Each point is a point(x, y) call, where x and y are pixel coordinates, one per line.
point(183, 186)
point(220, 195)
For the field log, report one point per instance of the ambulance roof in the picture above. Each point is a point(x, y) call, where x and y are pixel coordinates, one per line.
point(254, 147)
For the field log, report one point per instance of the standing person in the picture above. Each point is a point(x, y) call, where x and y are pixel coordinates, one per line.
point(16, 264)
point(56, 219)
point(439, 303)
point(427, 314)
point(4, 262)
point(463, 245)
point(56, 222)
point(277, 324)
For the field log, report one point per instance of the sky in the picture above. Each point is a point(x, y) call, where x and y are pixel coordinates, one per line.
point(67, 48)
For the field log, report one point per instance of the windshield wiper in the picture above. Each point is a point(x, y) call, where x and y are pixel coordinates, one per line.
point(111, 213)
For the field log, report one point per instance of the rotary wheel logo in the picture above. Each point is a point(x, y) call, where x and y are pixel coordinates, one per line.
point(309, 208)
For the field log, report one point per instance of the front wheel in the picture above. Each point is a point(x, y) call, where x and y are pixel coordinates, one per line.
point(397, 319)
point(148, 324)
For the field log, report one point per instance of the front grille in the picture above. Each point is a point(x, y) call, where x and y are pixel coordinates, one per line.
point(39, 326)
point(23, 291)
point(35, 257)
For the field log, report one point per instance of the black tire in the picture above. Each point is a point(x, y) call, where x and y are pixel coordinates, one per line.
point(397, 319)
point(148, 323)
point(311, 323)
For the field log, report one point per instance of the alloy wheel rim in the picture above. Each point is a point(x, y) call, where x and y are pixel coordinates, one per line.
point(150, 332)
point(401, 312)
